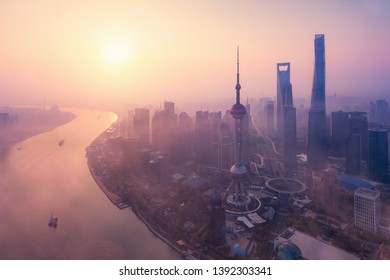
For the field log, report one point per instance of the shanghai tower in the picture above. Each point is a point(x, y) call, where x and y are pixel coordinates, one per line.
point(317, 132)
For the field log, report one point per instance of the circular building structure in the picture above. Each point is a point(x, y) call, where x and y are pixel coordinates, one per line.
point(287, 251)
point(285, 185)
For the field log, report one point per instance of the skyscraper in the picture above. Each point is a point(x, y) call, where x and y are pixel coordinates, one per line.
point(203, 131)
point(164, 126)
point(269, 115)
point(379, 113)
point(358, 124)
point(289, 137)
point(222, 147)
point(141, 125)
point(378, 160)
point(317, 131)
point(184, 138)
point(353, 154)
point(287, 126)
point(339, 132)
point(284, 93)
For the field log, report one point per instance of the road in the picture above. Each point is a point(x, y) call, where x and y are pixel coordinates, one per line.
point(278, 226)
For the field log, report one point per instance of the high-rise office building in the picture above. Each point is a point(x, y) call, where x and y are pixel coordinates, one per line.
point(349, 138)
point(358, 124)
point(317, 130)
point(326, 190)
point(269, 115)
point(353, 154)
point(339, 132)
point(169, 107)
point(222, 147)
point(130, 123)
point(379, 113)
point(367, 209)
point(378, 160)
point(141, 126)
point(184, 138)
point(160, 135)
point(289, 137)
point(164, 126)
point(203, 133)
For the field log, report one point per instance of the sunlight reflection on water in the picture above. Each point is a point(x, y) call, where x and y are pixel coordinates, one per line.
point(38, 177)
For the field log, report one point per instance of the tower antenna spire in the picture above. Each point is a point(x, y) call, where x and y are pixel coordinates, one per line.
point(238, 86)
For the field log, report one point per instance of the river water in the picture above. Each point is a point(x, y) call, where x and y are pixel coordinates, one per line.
point(38, 177)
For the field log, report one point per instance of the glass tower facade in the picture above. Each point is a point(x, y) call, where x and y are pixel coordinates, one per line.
point(317, 131)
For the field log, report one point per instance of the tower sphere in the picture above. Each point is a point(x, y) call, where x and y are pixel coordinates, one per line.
point(238, 172)
point(238, 111)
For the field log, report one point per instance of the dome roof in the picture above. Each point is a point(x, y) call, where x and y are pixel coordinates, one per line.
point(288, 251)
point(238, 111)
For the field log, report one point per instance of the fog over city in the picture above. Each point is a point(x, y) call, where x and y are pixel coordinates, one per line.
point(207, 130)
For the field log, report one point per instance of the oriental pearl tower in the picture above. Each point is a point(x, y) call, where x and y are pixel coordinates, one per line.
point(236, 199)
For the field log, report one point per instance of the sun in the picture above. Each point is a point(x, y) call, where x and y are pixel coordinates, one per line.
point(115, 52)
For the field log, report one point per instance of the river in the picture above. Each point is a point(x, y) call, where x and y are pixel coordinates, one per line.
point(38, 177)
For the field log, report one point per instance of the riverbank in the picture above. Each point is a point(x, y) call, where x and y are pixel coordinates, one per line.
point(121, 204)
point(113, 197)
point(95, 164)
point(167, 222)
point(20, 123)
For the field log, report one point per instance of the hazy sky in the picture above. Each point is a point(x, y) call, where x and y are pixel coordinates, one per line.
point(149, 51)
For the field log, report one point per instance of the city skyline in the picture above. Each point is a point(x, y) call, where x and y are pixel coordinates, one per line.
point(286, 166)
point(99, 53)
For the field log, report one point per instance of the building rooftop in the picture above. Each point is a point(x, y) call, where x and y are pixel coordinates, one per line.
point(194, 180)
point(255, 218)
point(354, 183)
point(246, 222)
point(312, 248)
point(367, 193)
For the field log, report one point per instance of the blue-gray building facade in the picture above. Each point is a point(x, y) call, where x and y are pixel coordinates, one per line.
point(286, 115)
point(317, 130)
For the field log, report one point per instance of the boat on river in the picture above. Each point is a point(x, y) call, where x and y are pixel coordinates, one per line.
point(53, 221)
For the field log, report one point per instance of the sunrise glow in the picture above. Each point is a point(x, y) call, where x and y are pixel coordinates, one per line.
point(115, 52)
